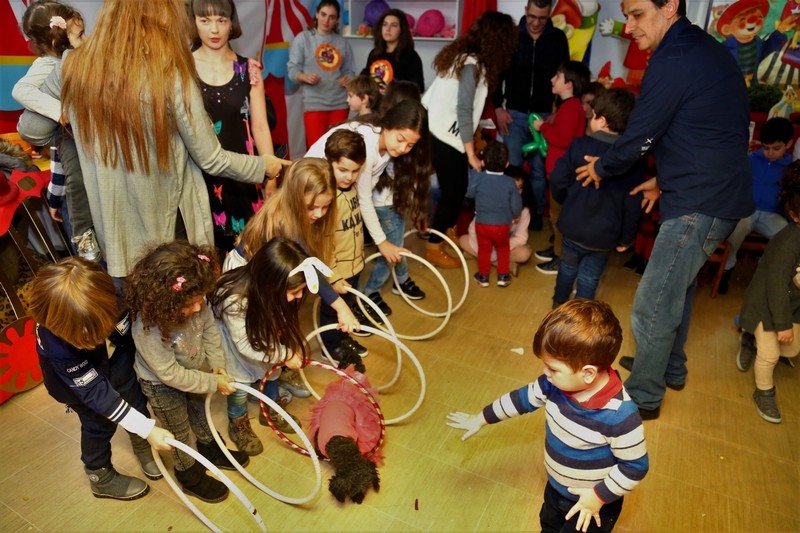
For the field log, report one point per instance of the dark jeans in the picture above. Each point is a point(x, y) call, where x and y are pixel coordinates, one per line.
point(519, 134)
point(451, 170)
point(327, 315)
point(96, 429)
point(179, 411)
point(579, 263)
point(555, 508)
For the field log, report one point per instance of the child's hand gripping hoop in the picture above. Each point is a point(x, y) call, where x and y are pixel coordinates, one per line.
point(539, 143)
point(252, 511)
point(306, 442)
point(351, 379)
point(464, 267)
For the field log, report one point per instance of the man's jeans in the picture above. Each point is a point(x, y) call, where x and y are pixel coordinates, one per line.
point(393, 227)
point(519, 134)
point(662, 307)
point(579, 263)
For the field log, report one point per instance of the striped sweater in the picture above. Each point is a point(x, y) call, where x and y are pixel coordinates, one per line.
point(600, 446)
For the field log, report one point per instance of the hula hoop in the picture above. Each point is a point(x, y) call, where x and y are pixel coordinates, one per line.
point(446, 314)
point(252, 511)
point(400, 345)
point(365, 298)
point(464, 267)
point(248, 475)
point(351, 379)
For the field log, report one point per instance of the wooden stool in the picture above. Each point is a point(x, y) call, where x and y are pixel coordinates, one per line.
point(720, 256)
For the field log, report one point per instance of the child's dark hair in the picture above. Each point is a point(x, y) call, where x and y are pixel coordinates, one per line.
point(495, 156)
point(577, 74)
point(166, 278)
point(776, 129)
point(396, 92)
point(580, 333)
point(37, 24)
point(270, 320)
point(75, 300)
point(595, 87)
point(347, 144)
point(519, 174)
point(214, 8)
point(615, 105)
point(364, 85)
point(789, 195)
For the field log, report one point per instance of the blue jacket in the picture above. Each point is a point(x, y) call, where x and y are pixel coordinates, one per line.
point(693, 113)
point(766, 180)
point(497, 200)
point(597, 219)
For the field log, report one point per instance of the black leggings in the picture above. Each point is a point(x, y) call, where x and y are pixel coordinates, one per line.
point(451, 170)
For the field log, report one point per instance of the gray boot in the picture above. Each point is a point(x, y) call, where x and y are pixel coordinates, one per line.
point(108, 483)
point(144, 454)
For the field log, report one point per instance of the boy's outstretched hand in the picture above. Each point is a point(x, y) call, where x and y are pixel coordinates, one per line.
point(588, 506)
point(157, 439)
point(472, 423)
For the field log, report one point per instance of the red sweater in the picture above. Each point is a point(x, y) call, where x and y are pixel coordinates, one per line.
point(569, 122)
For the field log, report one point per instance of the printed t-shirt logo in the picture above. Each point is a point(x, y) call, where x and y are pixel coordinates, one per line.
point(328, 57)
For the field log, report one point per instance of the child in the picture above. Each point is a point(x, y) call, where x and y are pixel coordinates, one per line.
point(594, 221)
point(592, 91)
point(568, 123)
point(520, 252)
point(497, 204)
point(257, 308)
point(771, 308)
point(363, 95)
point(399, 136)
point(346, 152)
point(595, 451)
point(74, 305)
point(53, 29)
point(179, 357)
point(768, 164)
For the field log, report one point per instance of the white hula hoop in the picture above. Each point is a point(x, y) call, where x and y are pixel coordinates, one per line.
point(463, 266)
point(295, 426)
point(361, 296)
point(446, 314)
point(400, 345)
point(252, 511)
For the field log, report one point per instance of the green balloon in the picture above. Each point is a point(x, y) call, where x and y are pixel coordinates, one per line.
point(539, 143)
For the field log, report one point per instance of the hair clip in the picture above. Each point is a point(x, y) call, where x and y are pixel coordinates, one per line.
point(205, 258)
point(178, 285)
point(58, 22)
point(309, 268)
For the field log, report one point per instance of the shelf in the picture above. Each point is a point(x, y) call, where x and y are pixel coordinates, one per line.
point(451, 9)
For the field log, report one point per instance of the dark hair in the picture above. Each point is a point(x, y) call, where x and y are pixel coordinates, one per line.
point(595, 87)
point(396, 92)
point(270, 320)
point(404, 43)
point(681, 5)
point(495, 156)
point(776, 129)
point(789, 195)
point(164, 280)
point(518, 173)
point(217, 8)
point(364, 85)
point(36, 26)
point(615, 105)
point(327, 3)
point(577, 74)
point(540, 3)
point(345, 143)
point(580, 333)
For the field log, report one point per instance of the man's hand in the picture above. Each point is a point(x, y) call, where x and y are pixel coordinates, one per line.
point(588, 506)
point(503, 119)
point(587, 174)
point(471, 423)
point(650, 193)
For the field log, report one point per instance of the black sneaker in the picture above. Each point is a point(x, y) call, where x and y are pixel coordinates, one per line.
point(483, 281)
point(410, 289)
point(550, 267)
point(378, 300)
point(364, 321)
point(747, 351)
point(503, 280)
point(348, 346)
point(545, 255)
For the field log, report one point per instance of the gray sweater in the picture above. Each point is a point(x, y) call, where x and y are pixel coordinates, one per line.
point(330, 57)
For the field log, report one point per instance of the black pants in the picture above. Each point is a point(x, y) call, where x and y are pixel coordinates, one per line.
point(452, 170)
point(555, 508)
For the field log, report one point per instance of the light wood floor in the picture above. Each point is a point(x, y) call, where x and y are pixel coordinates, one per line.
point(715, 465)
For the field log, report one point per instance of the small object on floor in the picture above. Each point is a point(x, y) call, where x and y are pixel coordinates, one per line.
point(363, 320)
point(278, 420)
point(87, 246)
point(436, 255)
point(410, 289)
point(518, 351)
point(382, 305)
point(483, 281)
point(723, 281)
point(766, 405)
point(545, 255)
point(108, 483)
point(503, 280)
point(513, 269)
point(747, 351)
point(291, 381)
point(634, 262)
point(550, 267)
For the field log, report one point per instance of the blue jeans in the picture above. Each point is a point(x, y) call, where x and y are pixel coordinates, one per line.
point(237, 402)
point(393, 227)
point(766, 223)
point(582, 264)
point(519, 134)
point(662, 307)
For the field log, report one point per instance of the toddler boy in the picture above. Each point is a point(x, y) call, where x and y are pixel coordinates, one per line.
point(363, 95)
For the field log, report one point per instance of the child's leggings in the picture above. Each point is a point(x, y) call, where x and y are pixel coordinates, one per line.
point(768, 351)
point(493, 236)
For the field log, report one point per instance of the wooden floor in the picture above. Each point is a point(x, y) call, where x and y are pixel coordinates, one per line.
point(715, 465)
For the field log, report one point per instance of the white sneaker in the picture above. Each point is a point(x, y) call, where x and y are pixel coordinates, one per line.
point(87, 246)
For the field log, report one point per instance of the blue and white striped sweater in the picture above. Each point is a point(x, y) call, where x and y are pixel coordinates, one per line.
point(601, 448)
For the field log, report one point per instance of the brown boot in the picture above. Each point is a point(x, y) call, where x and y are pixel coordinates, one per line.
point(435, 254)
point(242, 435)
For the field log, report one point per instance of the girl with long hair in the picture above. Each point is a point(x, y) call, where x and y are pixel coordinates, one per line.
point(393, 57)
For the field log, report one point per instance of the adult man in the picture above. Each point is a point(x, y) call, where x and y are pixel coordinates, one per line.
point(525, 87)
point(692, 112)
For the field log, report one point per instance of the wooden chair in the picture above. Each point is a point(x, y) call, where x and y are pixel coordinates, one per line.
point(719, 257)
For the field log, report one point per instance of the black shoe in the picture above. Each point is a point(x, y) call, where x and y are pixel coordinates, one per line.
point(545, 255)
point(196, 482)
point(348, 345)
point(747, 351)
point(378, 300)
point(640, 269)
point(650, 414)
point(723, 281)
point(634, 262)
point(363, 320)
point(626, 362)
point(410, 289)
point(550, 268)
point(212, 452)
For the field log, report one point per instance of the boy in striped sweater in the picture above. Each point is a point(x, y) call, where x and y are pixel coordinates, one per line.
point(595, 451)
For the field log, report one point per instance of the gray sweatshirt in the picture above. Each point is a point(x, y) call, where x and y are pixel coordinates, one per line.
point(330, 57)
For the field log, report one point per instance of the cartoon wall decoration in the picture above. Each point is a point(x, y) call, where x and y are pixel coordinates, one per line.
point(578, 19)
point(635, 60)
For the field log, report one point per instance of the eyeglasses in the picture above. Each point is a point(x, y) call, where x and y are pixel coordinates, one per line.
point(534, 17)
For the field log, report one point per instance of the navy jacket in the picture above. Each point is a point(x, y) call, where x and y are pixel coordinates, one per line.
point(497, 200)
point(693, 113)
point(597, 219)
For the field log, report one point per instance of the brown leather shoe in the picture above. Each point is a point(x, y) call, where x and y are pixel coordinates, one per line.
point(435, 254)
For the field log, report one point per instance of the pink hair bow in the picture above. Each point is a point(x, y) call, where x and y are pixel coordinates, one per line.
point(178, 285)
point(58, 22)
